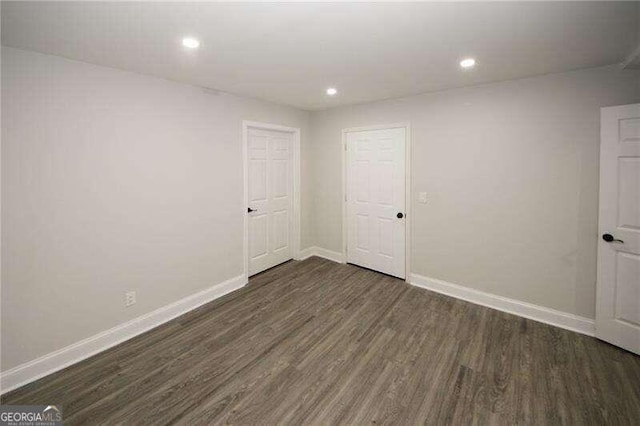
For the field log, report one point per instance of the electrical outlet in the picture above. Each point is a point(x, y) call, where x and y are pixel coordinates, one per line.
point(130, 298)
point(422, 197)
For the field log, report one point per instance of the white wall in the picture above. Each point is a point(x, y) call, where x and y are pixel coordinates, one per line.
point(114, 181)
point(511, 173)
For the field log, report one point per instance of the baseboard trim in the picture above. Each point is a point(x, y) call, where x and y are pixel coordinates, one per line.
point(527, 310)
point(321, 252)
point(62, 358)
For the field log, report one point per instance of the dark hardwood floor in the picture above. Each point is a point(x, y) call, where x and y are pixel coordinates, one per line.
point(317, 342)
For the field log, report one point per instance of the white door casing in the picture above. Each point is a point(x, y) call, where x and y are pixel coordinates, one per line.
point(618, 287)
point(270, 196)
point(375, 195)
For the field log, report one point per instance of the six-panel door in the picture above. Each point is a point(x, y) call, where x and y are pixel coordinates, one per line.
point(270, 197)
point(376, 200)
point(618, 293)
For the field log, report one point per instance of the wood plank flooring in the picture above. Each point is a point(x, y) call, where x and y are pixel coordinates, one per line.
point(316, 342)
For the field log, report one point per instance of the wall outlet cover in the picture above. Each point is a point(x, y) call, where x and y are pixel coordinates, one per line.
point(130, 298)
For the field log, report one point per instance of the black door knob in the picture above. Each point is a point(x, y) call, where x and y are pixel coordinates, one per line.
point(399, 215)
point(249, 210)
point(610, 239)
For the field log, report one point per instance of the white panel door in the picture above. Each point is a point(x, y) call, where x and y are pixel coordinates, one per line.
point(618, 295)
point(376, 200)
point(270, 198)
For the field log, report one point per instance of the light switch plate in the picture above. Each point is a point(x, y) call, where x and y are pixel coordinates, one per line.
point(422, 197)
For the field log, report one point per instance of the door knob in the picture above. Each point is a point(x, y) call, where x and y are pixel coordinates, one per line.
point(399, 215)
point(249, 210)
point(610, 239)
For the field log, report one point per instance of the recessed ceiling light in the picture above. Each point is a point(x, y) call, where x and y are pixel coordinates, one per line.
point(468, 63)
point(190, 43)
point(331, 91)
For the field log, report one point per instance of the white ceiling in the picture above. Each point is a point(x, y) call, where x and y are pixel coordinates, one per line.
point(290, 53)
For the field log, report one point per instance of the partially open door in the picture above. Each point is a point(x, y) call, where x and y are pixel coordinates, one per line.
point(618, 295)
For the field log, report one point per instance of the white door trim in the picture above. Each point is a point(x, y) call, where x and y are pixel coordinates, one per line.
point(408, 213)
point(295, 236)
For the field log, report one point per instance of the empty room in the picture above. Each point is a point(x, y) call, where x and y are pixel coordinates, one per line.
point(320, 213)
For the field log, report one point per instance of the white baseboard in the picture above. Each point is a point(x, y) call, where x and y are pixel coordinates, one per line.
point(62, 358)
point(321, 252)
point(527, 310)
point(54, 361)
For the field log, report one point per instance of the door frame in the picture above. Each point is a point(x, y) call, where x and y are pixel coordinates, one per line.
point(295, 165)
point(407, 187)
